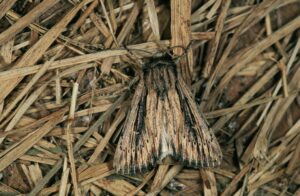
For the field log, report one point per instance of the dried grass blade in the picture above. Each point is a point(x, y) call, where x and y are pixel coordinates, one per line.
point(108, 135)
point(209, 182)
point(159, 176)
point(37, 159)
point(247, 96)
point(46, 179)
point(23, 108)
point(232, 186)
point(278, 86)
point(203, 8)
point(236, 108)
point(5, 6)
point(94, 127)
point(26, 20)
point(202, 35)
point(25, 145)
point(95, 170)
point(21, 72)
point(110, 26)
point(64, 179)
point(145, 181)
point(36, 51)
point(212, 51)
point(106, 66)
point(35, 78)
point(251, 52)
point(273, 119)
point(166, 179)
point(153, 18)
point(117, 186)
point(214, 9)
point(69, 141)
point(181, 35)
point(257, 13)
point(83, 17)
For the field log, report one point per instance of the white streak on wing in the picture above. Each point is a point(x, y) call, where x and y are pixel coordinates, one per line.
point(166, 148)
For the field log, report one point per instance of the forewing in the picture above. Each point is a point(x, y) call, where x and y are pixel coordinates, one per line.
point(199, 146)
point(134, 150)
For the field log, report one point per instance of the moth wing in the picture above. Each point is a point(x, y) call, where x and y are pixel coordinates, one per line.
point(164, 120)
point(133, 152)
point(198, 144)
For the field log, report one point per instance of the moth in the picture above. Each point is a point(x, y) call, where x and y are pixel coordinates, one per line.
point(164, 121)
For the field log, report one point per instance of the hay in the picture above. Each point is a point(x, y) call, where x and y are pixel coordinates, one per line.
point(68, 69)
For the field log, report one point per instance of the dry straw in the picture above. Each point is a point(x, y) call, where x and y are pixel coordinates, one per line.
point(69, 70)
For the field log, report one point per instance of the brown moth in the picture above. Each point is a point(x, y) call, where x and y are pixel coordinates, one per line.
point(164, 121)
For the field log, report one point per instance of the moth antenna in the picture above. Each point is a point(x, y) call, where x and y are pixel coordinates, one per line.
point(185, 49)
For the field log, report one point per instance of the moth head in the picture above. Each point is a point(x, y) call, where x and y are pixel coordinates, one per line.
point(165, 57)
point(159, 60)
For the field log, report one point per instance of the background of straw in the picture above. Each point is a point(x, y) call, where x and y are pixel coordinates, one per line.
point(65, 73)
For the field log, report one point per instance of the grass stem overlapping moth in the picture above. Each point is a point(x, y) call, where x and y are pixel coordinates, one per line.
point(164, 121)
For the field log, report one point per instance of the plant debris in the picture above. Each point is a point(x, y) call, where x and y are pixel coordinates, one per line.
point(69, 69)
